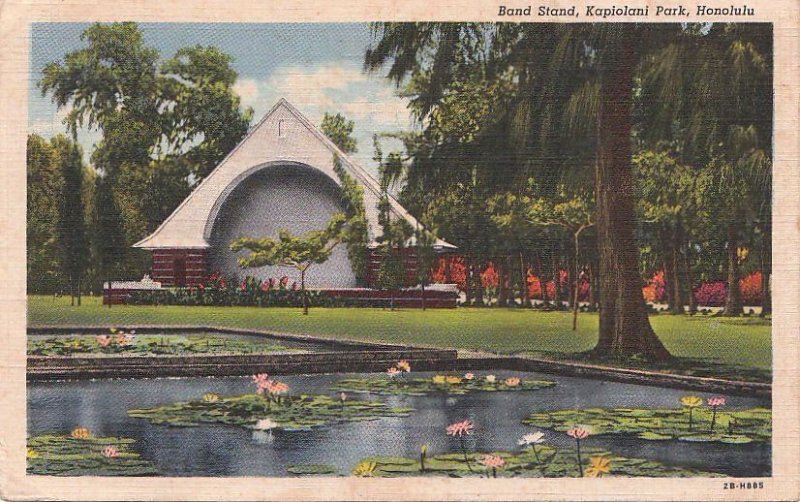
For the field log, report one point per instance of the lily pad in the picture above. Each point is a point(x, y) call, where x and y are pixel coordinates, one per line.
point(146, 345)
point(441, 384)
point(546, 462)
point(290, 413)
point(59, 455)
point(745, 426)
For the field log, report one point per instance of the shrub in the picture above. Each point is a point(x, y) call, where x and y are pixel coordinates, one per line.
point(711, 294)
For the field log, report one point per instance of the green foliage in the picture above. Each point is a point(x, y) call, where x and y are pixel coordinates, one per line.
point(339, 130)
point(548, 462)
point(401, 386)
point(145, 345)
point(73, 242)
point(291, 413)
point(355, 234)
point(58, 455)
point(745, 426)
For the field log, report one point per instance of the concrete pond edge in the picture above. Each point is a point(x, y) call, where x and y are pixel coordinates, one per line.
point(346, 356)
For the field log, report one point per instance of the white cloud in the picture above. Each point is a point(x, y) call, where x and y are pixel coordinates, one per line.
point(49, 127)
point(247, 89)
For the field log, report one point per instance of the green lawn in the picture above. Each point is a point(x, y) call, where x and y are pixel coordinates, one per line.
point(742, 343)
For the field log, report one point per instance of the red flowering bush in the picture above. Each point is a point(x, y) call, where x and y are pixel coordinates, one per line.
point(655, 291)
point(750, 287)
point(489, 277)
point(458, 271)
point(711, 294)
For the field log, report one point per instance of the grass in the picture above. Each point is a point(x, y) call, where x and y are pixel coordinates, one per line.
point(742, 344)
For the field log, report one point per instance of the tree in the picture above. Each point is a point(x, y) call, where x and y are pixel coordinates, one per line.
point(72, 237)
point(178, 117)
point(44, 189)
point(356, 234)
point(339, 130)
point(302, 252)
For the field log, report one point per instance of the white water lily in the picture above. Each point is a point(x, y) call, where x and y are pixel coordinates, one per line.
point(532, 438)
point(491, 378)
point(265, 424)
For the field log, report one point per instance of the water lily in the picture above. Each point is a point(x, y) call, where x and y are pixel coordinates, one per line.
point(110, 452)
point(261, 381)
point(265, 424)
point(714, 402)
point(598, 466)
point(210, 397)
point(124, 339)
point(469, 376)
point(404, 366)
point(512, 381)
point(493, 462)
point(80, 433)
point(365, 468)
point(459, 430)
point(439, 379)
point(691, 402)
point(491, 378)
point(31, 453)
point(393, 372)
point(532, 440)
point(103, 340)
point(453, 380)
point(578, 433)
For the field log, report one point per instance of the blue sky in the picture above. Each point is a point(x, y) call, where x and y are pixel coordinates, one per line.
point(317, 67)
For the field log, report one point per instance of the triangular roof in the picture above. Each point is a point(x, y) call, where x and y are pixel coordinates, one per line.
point(282, 137)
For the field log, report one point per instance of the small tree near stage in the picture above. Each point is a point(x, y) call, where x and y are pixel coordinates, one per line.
point(288, 250)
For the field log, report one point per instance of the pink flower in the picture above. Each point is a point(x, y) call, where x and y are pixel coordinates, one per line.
point(404, 365)
point(110, 452)
point(493, 461)
point(469, 376)
point(124, 339)
point(393, 371)
point(343, 397)
point(265, 286)
point(460, 429)
point(103, 340)
point(261, 382)
point(284, 280)
point(716, 401)
point(512, 381)
point(578, 433)
point(243, 286)
point(222, 284)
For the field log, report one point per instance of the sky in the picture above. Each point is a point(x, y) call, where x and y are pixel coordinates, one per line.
point(316, 66)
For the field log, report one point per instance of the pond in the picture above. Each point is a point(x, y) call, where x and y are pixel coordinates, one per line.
point(222, 450)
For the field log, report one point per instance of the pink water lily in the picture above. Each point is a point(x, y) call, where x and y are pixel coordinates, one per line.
point(512, 381)
point(578, 433)
point(343, 397)
point(392, 372)
point(110, 452)
point(103, 340)
point(469, 376)
point(261, 381)
point(460, 429)
point(493, 462)
point(714, 402)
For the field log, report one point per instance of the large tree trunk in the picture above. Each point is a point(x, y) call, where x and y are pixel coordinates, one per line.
point(624, 326)
point(733, 304)
point(677, 283)
point(524, 296)
point(689, 279)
